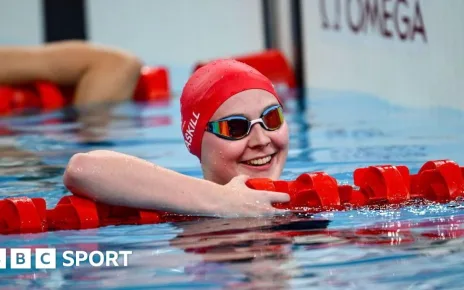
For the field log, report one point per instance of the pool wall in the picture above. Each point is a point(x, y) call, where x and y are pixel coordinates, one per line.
point(405, 51)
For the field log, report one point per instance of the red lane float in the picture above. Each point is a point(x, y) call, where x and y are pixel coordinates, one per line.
point(153, 84)
point(51, 98)
point(22, 215)
point(40, 94)
point(6, 97)
point(309, 190)
point(383, 184)
point(440, 180)
point(270, 63)
point(437, 181)
point(29, 215)
point(73, 213)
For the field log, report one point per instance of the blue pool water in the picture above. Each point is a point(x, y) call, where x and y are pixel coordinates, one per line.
point(420, 247)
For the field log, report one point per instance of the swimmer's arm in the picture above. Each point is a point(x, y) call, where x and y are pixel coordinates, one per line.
point(119, 179)
point(100, 74)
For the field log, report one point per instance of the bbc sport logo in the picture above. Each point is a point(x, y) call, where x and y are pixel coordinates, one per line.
point(46, 258)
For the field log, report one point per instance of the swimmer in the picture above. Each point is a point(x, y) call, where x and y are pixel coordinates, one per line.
point(232, 121)
point(96, 74)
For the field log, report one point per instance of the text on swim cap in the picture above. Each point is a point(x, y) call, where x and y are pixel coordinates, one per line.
point(188, 135)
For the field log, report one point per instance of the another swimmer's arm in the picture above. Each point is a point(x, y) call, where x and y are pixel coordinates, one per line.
point(99, 74)
point(120, 179)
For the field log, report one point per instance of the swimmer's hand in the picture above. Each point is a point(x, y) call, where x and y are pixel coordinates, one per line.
point(242, 201)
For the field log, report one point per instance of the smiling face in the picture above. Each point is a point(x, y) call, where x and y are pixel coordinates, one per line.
point(262, 153)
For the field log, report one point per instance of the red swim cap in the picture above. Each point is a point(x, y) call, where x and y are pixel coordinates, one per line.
point(208, 88)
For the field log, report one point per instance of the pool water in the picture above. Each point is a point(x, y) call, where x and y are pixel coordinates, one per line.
point(415, 247)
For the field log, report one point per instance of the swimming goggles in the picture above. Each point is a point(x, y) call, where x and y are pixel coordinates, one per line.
point(238, 127)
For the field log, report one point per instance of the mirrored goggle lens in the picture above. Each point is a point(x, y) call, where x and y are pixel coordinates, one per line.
point(274, 118)
point(232, 128)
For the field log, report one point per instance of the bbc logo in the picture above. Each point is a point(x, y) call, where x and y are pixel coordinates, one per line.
point(45, 258)
point(22, 258)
